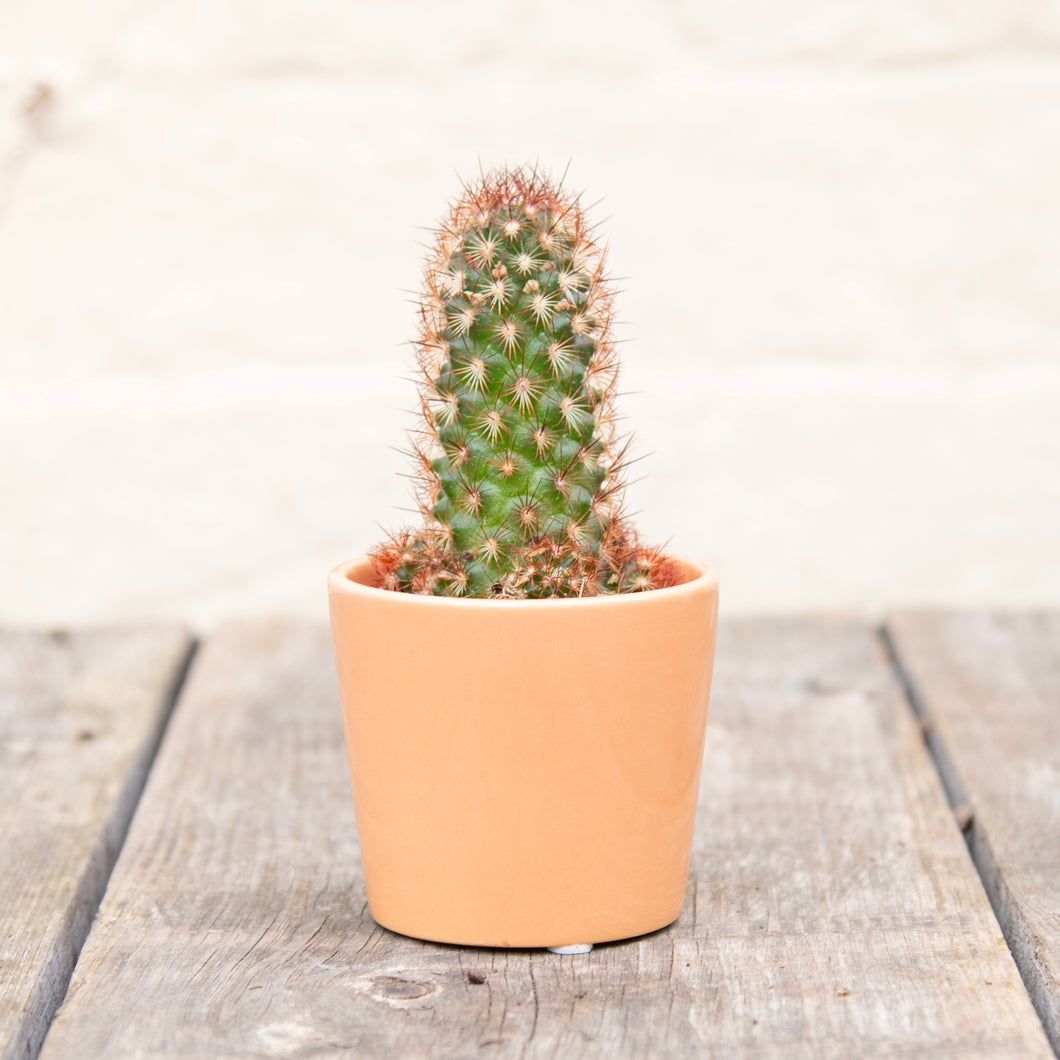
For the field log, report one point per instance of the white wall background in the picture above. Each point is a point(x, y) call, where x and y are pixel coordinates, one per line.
point(839, 224)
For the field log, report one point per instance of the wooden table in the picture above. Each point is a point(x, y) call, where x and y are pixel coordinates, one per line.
point(834, 906)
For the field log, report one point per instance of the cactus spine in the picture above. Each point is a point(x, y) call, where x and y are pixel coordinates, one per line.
point(518, 463)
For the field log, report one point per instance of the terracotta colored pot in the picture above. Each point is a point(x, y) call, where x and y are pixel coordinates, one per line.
point(525, 772)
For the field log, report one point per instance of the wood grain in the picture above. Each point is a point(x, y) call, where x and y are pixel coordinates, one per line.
point(833, 909)
point(80, 718)
point(989, 688)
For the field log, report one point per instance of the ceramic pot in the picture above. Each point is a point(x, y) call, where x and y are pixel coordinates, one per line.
point(525, 772)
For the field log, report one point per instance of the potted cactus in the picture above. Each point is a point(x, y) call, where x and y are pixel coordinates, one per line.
point(524, 684)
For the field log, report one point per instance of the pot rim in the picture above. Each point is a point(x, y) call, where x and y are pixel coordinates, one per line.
point(706, 579)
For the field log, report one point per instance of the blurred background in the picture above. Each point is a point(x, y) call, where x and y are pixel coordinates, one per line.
point(837, 226)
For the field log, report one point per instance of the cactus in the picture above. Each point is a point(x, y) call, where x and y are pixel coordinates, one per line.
point(518, 464)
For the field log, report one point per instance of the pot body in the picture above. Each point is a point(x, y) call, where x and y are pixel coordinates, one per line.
point(525, 773)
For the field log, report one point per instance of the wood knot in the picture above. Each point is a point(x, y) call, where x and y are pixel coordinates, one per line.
point(392, 988)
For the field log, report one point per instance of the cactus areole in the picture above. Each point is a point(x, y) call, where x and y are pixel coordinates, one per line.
point(518, 462)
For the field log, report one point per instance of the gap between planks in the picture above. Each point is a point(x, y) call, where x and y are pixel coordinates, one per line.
point(1018, 932)
point(48, 992)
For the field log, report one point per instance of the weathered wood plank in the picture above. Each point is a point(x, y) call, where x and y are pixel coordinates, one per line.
point(833, 909)
point(80, 718)
point(989, 688)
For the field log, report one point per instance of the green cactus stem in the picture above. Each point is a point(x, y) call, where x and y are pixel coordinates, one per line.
point(518, 464)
